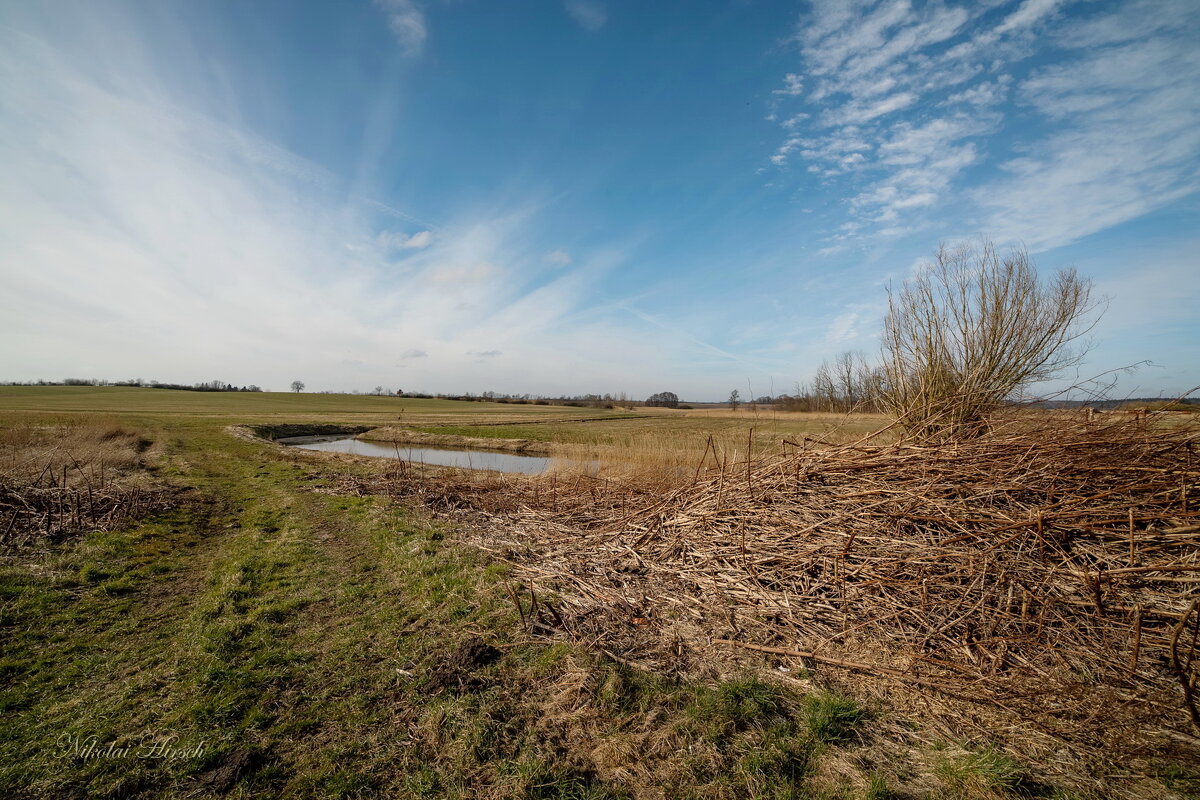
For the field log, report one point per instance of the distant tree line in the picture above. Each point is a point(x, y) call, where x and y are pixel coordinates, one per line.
point(590, 400)
point(663, 400)
point(847, 383)
point(207, 386)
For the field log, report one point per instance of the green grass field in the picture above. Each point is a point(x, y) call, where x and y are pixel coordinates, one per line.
point(259, 405)
point(291, 642)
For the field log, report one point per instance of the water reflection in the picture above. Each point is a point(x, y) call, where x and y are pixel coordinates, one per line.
point(466, 459)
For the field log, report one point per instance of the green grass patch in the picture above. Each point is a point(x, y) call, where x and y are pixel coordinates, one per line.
point(832, 717)
point(986, 770)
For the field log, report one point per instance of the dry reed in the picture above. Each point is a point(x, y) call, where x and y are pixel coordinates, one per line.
point(73, 478)
point(1047, 573)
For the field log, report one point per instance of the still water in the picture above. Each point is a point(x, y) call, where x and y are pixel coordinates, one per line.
point(467, 459)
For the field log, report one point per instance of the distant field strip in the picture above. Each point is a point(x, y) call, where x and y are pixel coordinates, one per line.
point(547, 421)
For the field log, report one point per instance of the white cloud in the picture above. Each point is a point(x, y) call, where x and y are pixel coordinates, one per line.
point(921, 162)
point(588, 14)
point(142, 237)
point(869, 63)
point(416, 241)
point(793, 85)
point(871, 53)
point(906, 97)
point(859, 111)
point(1029, 12)
point(1127, 140)
point(1138, 19)
point(988, 93)
point(916, 144)
point(844, 327)
point(558, 258)
point(839, 152)
point(406, 20)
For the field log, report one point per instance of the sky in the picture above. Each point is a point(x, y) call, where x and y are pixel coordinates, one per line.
point(576, 196)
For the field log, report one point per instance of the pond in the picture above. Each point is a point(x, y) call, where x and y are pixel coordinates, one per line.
point(466, 459)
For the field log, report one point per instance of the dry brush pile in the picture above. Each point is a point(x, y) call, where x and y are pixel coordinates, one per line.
point(63, 480)
point(1046, 574)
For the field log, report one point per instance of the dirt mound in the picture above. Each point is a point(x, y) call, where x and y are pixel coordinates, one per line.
point(459, 672)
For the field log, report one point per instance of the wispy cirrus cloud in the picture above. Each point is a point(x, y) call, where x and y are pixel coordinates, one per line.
point(1126, 130)
point(903, 100)
point(163, 240)
point(407, 22)
point(588, 14)
point(245, 260)
point(867, 64)
point(404, 241)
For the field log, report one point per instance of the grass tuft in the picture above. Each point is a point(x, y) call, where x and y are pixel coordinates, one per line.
point(986, 770)
point(737, 704)
point(832, 717)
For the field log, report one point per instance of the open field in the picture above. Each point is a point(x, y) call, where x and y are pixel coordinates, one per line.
point(92, 399)
point(302, 633)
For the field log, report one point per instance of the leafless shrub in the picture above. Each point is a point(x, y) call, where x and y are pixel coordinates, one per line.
point(971, 330)
point(84, 475)
point(848, 383)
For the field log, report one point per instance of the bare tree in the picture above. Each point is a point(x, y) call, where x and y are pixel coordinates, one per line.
point(845, 371)
point(735, 400)
point(824, 388)
point(973, 329)
point(297, 386)
point(849, 383)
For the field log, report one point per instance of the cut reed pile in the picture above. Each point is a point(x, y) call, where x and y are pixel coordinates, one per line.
point(58, 481)
point(1049, 574)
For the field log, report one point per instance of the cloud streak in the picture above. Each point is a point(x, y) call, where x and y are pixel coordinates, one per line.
point(904, 99)
point(143, 238)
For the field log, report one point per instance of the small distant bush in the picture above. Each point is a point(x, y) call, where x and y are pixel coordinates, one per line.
point(663, 400)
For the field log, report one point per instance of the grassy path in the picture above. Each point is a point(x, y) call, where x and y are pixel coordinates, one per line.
point(263, 620)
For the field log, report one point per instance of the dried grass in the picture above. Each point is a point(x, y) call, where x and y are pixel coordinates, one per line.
point(60, 480)
point(1037, 584)
point(661, 459)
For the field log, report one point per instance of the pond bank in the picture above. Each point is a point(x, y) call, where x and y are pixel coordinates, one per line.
point(395, 435)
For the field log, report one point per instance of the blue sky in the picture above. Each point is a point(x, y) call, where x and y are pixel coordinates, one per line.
point(580, 196)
